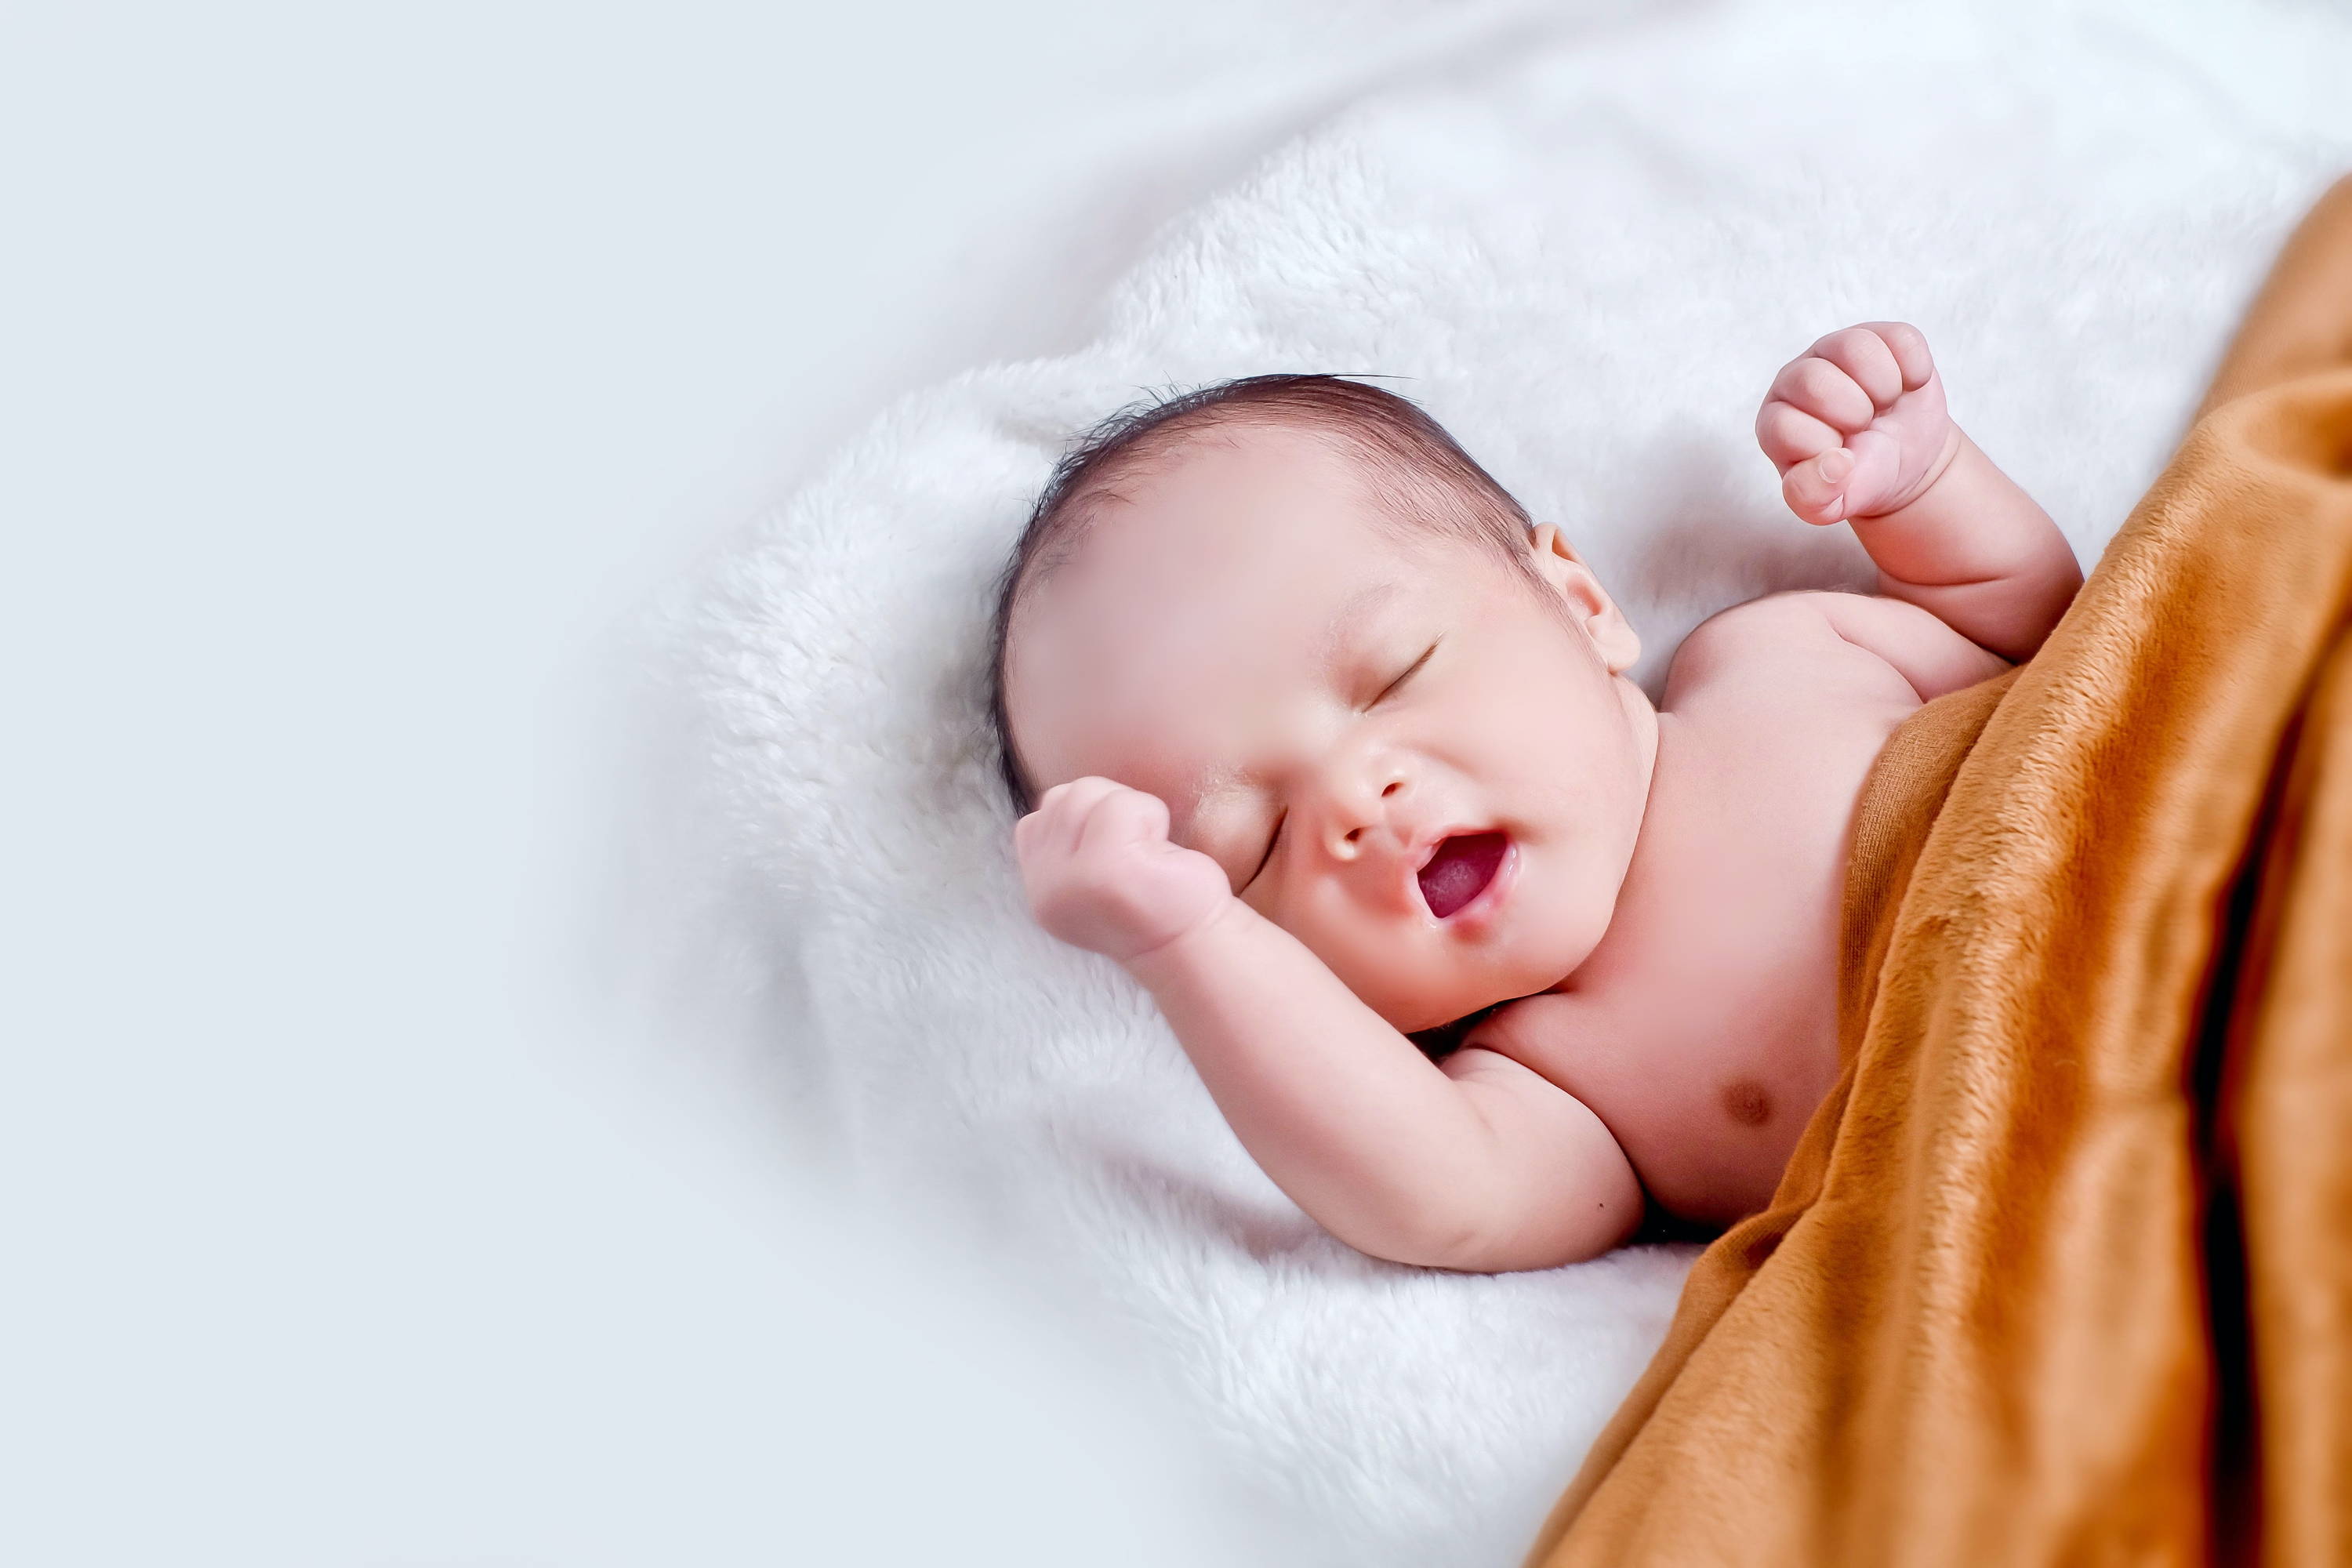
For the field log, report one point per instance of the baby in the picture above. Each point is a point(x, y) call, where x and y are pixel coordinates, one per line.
point(1329, 746)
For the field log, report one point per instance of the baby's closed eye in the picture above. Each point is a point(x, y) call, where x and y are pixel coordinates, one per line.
point(1409, 671)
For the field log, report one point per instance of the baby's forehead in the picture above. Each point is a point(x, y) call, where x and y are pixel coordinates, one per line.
point(1250, 489)
point(1242, 554)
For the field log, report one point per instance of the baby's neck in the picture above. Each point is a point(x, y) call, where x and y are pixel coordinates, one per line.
point(1644, 717)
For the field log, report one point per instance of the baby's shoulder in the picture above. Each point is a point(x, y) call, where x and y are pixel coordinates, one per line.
point(1781, 648)
point(1819, 649)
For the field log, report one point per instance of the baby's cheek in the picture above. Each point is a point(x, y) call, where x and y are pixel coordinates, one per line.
point(1380, 967)
point(1384, 974)
point(1272, 909)
point(1318, 936)
point(1321, 937)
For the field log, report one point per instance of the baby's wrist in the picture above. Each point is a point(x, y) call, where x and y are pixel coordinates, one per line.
point(1183, 953)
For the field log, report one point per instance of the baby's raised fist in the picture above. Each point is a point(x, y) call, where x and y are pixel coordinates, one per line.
point(1101, 874)
point(1856, 424)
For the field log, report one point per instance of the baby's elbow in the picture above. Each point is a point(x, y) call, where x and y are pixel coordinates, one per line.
point(1472, 1244)
point(1426, 1235)
point(1463, 1246)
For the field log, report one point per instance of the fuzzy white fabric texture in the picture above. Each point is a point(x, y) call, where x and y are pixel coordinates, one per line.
point(1587, 262)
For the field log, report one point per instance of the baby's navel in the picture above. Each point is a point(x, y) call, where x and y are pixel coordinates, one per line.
point(1746, 1102)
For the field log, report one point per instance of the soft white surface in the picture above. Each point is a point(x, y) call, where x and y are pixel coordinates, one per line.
point(1588, 261)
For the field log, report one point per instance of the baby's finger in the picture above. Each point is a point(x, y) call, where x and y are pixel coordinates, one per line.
point(1825, 392)
point(1126, 817)
point(1789, 434)
point(1869, 359)
point(1909, 344)
point(1065, 808)
point(1815, 488)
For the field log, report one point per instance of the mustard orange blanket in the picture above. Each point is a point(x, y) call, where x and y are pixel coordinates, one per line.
point(2062, 1271)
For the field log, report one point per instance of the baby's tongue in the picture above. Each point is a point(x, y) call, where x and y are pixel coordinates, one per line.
point(1462, 865)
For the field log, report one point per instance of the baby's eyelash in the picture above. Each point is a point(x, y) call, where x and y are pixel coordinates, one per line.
point(1408, 674)
point(1270, 842)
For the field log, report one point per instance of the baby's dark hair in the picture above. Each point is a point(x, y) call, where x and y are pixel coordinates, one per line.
point(1424, 484)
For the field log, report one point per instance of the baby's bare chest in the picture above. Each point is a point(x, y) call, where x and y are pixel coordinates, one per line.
point(1703, 1030)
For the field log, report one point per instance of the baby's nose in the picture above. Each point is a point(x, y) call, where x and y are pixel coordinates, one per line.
point(1369, 826)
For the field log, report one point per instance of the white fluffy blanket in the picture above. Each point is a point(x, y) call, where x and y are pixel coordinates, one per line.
point(1587, 261)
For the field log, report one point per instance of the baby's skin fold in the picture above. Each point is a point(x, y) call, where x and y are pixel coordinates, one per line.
point(1260, 720)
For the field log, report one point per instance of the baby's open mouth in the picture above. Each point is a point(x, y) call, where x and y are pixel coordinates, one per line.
point(1459, 870)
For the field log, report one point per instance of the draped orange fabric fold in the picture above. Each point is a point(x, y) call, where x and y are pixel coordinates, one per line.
point(2062, 1269)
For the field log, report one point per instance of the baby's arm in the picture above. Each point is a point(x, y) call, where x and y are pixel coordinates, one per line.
point(1479, 1164)
point(1858, 427)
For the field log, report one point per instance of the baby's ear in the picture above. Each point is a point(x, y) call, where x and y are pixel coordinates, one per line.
point(1573, 580)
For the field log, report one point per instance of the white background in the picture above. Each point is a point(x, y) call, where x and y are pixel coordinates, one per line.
point(359, 369)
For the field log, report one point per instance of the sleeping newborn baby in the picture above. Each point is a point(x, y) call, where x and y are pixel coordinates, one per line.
point(1330, 747)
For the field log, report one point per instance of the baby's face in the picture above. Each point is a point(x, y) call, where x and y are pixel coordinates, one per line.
point(1352, 727)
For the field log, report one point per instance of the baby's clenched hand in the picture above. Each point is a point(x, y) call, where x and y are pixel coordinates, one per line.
point(1101, 874)
point(1857, 426)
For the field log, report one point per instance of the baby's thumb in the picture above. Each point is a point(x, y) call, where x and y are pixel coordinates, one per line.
point(1815, 488)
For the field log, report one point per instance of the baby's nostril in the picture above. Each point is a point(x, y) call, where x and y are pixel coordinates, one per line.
point(1354, 834)
point(1392, 789)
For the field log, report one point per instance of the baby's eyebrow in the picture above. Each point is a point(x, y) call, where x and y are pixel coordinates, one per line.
point(1350, 619)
